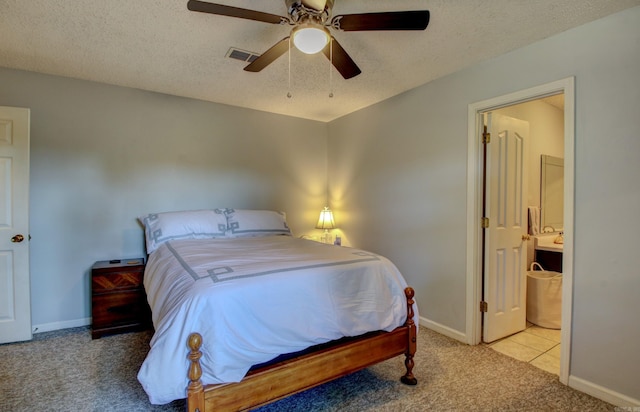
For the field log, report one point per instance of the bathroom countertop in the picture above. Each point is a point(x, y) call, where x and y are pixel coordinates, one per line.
point(545, 242)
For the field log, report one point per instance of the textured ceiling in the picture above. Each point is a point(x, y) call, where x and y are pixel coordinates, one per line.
point(161, 46)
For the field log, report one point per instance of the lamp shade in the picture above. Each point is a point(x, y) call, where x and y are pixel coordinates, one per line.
point(325, 221)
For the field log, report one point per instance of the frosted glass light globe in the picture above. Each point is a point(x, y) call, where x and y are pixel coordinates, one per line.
point(310, 39)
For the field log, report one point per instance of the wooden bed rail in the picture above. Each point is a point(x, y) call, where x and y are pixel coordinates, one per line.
point(303, 372)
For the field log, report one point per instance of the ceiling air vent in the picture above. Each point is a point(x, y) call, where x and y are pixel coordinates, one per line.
point(245, 56)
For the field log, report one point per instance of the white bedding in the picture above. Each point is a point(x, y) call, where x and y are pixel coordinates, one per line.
point(253, 299)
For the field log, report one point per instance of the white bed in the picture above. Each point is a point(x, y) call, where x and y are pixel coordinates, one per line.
point(254, 298)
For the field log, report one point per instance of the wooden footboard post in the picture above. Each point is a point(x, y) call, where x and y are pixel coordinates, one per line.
point(408, 378)
point(195, 391)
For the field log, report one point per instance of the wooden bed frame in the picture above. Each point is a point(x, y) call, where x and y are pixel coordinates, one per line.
point(331, 361)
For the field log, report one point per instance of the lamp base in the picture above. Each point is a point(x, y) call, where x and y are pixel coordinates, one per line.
point(326, 237)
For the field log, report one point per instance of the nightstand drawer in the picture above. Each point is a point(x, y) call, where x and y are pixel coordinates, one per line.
point(115, 309)
point(116, 281)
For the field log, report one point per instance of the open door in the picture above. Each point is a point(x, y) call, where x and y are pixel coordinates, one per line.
point(505, 233)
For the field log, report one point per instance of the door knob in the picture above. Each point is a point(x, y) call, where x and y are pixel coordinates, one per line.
point(526, 237)
point(17, 238)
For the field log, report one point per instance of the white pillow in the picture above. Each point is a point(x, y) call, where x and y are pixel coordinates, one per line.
point(251, 223)
point(195, 224)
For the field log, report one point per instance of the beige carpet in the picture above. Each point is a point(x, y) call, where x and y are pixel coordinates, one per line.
point(67, 371)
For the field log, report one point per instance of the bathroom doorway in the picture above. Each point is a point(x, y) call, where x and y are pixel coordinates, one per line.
point(532, 311)
point(537, 100)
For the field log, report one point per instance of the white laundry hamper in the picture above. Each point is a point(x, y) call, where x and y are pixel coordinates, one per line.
point(544, 297)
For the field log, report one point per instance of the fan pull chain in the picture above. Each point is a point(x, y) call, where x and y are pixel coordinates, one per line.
point(289, 91)
point(331, 67)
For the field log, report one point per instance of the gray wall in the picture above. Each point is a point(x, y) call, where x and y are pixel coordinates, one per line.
point(103, 155)
point(397, 179)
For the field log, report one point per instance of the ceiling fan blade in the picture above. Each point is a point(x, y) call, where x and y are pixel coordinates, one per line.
point(393, 20)
point(204, 7)
point(341, 60)
point(269, 56)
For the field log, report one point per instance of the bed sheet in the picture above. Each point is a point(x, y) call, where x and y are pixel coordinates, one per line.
point(253, 299)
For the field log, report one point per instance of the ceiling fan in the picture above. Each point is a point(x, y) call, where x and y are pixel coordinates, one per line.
point(312, 20)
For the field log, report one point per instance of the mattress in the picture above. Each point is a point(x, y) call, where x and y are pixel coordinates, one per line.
point(253, 299)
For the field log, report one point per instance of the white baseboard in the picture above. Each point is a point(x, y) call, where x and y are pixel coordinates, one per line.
point(443, 330)
point(603, 393)
point(48, 327)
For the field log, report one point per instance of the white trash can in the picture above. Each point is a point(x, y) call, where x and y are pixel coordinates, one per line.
point(544, 297)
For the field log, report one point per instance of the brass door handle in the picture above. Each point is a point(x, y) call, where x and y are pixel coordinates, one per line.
point(526, 237)
point(17, 238)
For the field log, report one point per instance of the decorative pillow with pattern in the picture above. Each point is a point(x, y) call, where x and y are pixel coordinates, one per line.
point(194, 224)
point(251, 223)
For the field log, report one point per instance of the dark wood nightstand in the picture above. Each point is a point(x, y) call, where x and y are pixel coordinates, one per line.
point(118, 301)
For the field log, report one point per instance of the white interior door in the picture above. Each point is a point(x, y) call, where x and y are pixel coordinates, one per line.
point(505, 248)
point(15, 299)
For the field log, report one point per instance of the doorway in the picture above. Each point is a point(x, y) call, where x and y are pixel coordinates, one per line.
point(475, 213)
point(528, 330)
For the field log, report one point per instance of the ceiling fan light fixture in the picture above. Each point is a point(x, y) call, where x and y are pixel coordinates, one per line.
point(310, 38)
point(312, 20)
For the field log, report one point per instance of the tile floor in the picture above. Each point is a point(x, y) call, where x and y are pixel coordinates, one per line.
point(536, 345)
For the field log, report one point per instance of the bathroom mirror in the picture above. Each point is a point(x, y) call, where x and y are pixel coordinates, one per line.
point(551, 193)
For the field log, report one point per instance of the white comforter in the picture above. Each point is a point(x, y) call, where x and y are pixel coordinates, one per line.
point(253, 299)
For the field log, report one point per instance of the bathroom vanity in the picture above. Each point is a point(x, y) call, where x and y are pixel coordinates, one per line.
point(548, 253)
